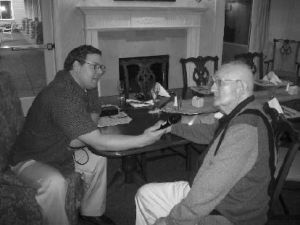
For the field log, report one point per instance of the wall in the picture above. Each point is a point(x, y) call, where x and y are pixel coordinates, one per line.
point(19, 10)
point(284, 20)
point(68, 29)
point(212, 29)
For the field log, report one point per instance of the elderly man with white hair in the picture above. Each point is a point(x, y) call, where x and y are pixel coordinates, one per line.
point(232, 184)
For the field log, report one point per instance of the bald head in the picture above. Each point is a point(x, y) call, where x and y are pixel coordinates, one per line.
point(233, 84)
point(237, 70)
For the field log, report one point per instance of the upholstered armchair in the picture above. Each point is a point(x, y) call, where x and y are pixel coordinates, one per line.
point(17, 200)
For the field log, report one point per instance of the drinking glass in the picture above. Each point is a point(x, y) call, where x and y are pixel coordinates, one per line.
point(121, 92)
point(155, 93)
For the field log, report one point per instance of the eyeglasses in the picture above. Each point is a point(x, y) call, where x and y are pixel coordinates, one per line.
point(220, 82)
point(96, 66)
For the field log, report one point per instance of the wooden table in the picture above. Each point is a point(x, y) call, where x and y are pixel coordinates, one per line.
point(130, 170)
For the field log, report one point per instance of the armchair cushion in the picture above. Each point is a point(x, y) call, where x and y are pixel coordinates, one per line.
point(18, 204)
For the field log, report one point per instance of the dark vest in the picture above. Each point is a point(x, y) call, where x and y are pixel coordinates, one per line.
point(247, 202)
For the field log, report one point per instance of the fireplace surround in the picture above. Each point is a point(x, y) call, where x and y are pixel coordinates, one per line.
point(138, 72)
point(109, 17)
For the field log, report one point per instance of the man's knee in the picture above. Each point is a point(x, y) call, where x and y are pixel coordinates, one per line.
point(55, 183)
point(144, 191)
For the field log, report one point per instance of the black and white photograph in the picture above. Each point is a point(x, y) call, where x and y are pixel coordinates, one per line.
point(149, 112)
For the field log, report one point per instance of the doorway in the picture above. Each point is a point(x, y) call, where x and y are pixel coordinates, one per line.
point(27, 50)
point(237, 28)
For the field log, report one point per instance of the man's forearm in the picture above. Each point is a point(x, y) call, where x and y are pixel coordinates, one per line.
point(197, 133)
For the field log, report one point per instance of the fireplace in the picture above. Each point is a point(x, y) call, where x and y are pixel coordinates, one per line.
point(140, 17)
point(138, 72)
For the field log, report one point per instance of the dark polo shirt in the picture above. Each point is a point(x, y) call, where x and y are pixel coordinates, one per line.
point(59, 114)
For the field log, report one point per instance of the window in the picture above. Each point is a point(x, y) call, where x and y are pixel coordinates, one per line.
point(6, 10)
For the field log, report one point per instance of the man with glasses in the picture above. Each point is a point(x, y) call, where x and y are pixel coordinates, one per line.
point(59, 122)
point(231, 186)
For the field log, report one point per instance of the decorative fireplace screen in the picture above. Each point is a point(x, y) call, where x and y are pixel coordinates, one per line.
point(141, 73)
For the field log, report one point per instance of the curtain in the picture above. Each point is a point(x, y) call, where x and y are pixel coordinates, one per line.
point(259, 26)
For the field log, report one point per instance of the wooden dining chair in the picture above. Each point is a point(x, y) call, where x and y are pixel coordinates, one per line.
point(7, 31)
point(201, 67)
point(254, 60)
point(283, 129)
point(285, 61)
point(141, 73)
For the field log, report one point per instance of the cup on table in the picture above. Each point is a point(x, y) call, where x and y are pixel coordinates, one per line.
point(121, 92)
point(293, 90)
point(179, 102)
point(155, 92)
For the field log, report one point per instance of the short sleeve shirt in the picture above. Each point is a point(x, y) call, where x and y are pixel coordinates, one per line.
point(58, 115)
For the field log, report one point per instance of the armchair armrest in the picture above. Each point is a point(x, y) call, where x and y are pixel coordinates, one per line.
point(9, 178)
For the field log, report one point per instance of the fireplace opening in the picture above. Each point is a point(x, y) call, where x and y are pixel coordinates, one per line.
point(140, 73)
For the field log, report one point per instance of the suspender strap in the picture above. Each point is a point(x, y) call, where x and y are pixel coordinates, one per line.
point(271, 143)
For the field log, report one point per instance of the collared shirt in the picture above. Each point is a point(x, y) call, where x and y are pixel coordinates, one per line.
point(58, 115)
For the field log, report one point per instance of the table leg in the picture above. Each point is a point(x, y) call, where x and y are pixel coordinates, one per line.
point(129, 172)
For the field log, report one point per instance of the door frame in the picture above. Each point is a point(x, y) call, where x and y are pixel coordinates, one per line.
point(49, 55)
point(48, 35)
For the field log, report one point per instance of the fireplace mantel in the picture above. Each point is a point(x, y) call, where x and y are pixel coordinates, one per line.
point(103, 18)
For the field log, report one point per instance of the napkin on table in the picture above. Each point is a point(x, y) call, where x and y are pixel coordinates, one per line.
point(120, 118)
point(272, 77)
point(137, 104)
point(273, 103)
point(162, 91)
point(287, 111)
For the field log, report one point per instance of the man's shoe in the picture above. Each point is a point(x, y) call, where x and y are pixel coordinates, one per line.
point(96, 220)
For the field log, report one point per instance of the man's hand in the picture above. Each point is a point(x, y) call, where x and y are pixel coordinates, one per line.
point(95, 117)
point(155, 127)
point(153, 133)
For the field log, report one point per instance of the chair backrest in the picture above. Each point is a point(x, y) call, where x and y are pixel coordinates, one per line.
point(285, 55)
point(8, 29)
point(202, 68)
point(281, 126)
point(143, 73)
point(254, 60)
point(11, 117)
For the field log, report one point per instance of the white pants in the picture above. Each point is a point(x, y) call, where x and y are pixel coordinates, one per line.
point(156, 200)
point(52, 187)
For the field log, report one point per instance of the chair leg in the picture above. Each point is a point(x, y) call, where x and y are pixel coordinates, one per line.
point(143, 166)
point(188, 163)
point(284, 206)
